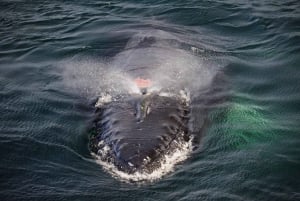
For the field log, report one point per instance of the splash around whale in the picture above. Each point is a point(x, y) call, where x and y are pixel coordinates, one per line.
point(153, 99)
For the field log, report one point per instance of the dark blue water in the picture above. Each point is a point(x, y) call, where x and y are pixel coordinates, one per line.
point(51, 52)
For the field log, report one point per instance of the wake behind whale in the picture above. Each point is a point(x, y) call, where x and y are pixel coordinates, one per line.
point(141, 135)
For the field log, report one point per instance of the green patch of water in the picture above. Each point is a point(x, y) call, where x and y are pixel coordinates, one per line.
point(241, 124)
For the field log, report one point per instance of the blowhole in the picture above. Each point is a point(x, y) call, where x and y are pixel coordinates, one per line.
point(144, 91)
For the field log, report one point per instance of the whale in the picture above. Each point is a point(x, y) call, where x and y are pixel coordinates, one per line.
point(140, 130)
point(136, 129)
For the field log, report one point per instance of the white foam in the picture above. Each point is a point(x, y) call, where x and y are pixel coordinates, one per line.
point(103, 99)
point(134, 89)
point(168, 163)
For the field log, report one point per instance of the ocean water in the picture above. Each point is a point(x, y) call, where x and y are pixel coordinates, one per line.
point(57, 57)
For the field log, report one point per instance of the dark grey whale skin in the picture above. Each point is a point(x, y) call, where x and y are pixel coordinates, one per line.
point(140, 131)
point(133, 134)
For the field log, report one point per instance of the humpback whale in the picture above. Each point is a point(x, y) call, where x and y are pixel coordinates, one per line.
point(140, 130)
point(136, 129)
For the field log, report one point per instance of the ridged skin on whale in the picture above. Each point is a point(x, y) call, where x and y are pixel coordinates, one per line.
point(134, 134)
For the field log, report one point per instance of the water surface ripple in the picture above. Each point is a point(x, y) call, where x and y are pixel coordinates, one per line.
point(251, 149)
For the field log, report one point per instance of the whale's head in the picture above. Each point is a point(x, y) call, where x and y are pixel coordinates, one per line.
point(136, 133)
